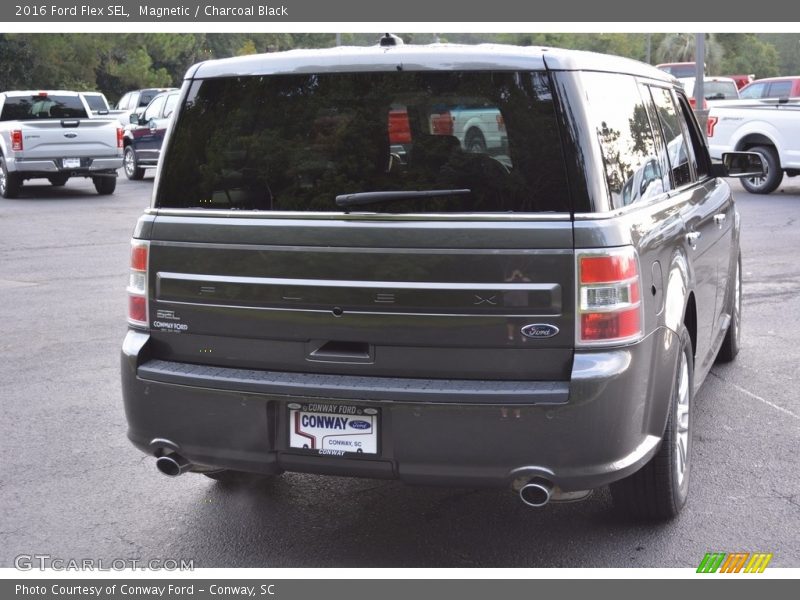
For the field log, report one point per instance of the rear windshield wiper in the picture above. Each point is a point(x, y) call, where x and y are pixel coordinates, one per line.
point(361, 198)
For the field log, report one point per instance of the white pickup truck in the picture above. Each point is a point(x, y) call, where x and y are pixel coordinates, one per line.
point(479, 128)
point(770, 127)
point(100, 109)
point(49, 135)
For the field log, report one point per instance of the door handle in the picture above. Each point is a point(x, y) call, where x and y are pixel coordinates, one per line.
point(720, 218)
point(692, 238)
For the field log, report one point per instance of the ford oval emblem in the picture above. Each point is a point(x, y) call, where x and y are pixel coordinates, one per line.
point(360, 424)
point(70, 135)
point(539, 330)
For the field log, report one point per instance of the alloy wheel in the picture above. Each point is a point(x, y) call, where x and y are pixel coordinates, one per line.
point(682, 421)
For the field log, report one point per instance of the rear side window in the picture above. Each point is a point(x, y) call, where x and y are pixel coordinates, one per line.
point(296, 142)
point(780, 89)
point(682, 161)
point(24, 108)
point(620, 121)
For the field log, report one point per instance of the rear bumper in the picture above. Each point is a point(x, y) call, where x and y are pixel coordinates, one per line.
point(602, 425)
point(44, 167)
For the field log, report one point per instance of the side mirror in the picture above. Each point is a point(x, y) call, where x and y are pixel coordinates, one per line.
point(739, 164)
point(134, 119)
point(152, 124)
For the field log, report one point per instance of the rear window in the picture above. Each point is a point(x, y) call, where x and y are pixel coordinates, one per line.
point(720, 90)
point(95, 102)
point(686, 70)
point(296, 142)
point(25, 108)
point(146, 96)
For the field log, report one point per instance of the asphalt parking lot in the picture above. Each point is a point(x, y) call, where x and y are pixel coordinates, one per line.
point(72, 487)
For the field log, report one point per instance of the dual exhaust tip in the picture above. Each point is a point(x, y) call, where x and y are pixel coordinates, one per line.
point(536, 493)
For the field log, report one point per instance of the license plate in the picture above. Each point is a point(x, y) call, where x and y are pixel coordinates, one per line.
point(333, 429)
point(72, 163)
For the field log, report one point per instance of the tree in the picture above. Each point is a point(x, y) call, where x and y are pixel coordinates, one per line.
point(680, 47)
point(788, 47)
point(53, 60)
point(15, 56)
point(745, 53)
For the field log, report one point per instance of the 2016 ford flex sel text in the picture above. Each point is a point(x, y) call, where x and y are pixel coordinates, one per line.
point(537, 316)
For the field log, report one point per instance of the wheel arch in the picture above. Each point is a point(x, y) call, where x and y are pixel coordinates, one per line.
point(690, 321)
point(751, 140)
point(679, 295)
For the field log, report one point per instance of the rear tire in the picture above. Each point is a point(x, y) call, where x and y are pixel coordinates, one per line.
point(105, 185)
point(773, 175)
point(730, 346)
point(659, 490)
point(131, 166)
point(10, 183)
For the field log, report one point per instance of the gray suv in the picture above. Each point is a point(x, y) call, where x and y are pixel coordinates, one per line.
point(303, 298)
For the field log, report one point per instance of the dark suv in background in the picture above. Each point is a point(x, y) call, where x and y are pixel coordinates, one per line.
point(306, 297)
point(145, 135)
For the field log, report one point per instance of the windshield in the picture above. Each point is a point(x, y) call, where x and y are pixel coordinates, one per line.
point(296, 142)
point(42, 106)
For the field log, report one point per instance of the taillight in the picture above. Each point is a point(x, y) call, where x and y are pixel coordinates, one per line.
point(120, 136)
point(399, 128)
point(137, 284)
point(442, 123)
point(16, 140)
point(609, 307)
point(501, 122)
point(693, 103)
point(710, 124)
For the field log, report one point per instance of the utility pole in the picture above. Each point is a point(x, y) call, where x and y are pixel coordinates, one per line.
point(700, 73)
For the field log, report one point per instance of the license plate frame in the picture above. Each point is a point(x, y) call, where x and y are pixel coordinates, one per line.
point(71, 163)
point(328, 429)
